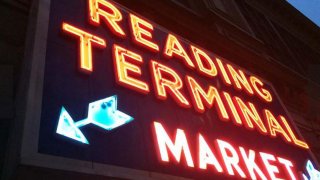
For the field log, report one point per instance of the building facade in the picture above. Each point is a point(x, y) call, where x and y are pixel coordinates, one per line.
point(270, 39)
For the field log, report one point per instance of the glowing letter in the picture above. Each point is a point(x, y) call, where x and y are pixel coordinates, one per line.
point(141, 30)
point(295, 140)
point(173, 46)
point(123, 67)
point(251, 165)
point(288, 165)
point(206, 156)
point(166, 79)
point(230, 161)
point(263, 93)
point(233, 109)
point(270, 168)
point(180, 144)
point(110, 14)
point(196, 92)
point(224, 74)
point(250, 115)
point(274, 126)
point(86, 42)
point(201, 56)
point(239, 77)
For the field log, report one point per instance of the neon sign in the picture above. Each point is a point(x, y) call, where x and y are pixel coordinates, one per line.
point(167, 82)
point(102, 113)
point(194, 111)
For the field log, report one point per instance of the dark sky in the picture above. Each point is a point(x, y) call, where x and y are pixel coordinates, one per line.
point(310, 8)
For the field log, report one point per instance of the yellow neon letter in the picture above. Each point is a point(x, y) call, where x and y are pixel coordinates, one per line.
point(86, 42)
point(250, 115)
point(263, 93)
point(108, 12)
point(201, 58)
point(166, 79)
point(173, 47)
point(123, 66)
point(295, 140)
point(141, 32)
point(274, 126)
point(239, 79)
point(212, 95)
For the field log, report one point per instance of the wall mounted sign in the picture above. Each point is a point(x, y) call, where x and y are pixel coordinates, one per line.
point(120, 90)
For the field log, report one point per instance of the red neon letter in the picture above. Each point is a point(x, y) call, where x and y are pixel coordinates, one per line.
point(250, 115)
point(288, 165)
point(206, 156)
point(270, 168)
point(295, 140)
point(239, 77)
point(274, 126)
point(251, 165)
point(201, 56)
point(86, 42)
point(209, 97)
point(141, 32)
point(263, 93)
point(110, 14)
point(124, 64)
point(180, 144)
point(230, 161)
point(173, 46)
point(166, 79)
